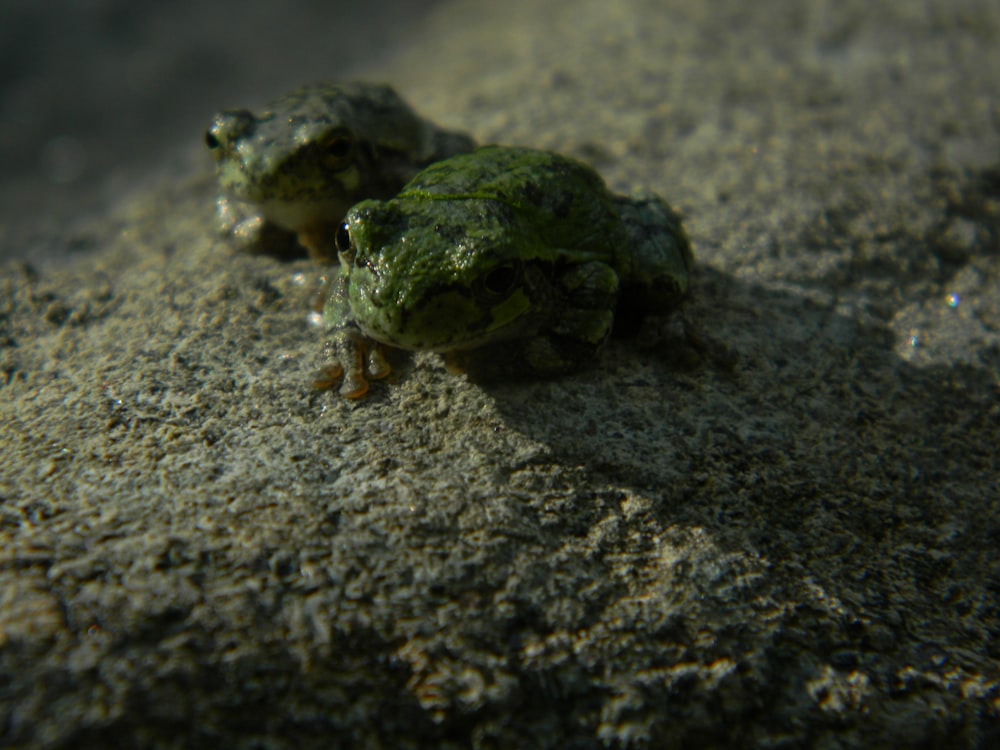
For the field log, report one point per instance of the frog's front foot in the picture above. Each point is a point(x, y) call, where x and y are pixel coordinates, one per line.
point(354, 360)
point(250, 232)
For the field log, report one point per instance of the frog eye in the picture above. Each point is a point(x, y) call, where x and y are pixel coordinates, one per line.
point(343, 239)
point(211, 141)
point(500, 281)
point(338, 149)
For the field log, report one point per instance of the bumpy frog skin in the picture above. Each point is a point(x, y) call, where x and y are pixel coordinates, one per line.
point(513, 261)
point(293, 170)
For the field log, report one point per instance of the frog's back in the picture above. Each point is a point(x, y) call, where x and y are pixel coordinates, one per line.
point(566, 201)
point(506, 173)
point(372, 109)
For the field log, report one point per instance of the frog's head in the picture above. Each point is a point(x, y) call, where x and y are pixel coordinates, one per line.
point(319, 149)
point(425, 276)
point(291, 169)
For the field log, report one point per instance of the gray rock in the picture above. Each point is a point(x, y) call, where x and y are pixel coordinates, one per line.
point(667, 550)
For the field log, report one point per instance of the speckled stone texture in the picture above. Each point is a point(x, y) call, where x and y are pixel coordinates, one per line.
point(198, 550)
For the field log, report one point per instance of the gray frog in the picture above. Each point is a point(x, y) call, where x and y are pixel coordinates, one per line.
point(511, 261)
point(292, 171)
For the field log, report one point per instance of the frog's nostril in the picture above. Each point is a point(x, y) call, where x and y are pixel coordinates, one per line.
point(229, 126)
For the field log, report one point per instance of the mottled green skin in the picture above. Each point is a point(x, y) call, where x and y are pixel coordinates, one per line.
point(513, 258)
point(296, 167)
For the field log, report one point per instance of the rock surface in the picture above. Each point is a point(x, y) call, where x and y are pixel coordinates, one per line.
point(198, 550)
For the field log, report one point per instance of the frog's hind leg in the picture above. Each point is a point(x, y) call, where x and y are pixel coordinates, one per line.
point(660, 252)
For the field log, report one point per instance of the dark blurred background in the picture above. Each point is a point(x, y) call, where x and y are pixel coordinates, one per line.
point(97, 95)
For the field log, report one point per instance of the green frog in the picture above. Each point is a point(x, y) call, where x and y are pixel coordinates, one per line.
point(291, 172)
point(511, 261)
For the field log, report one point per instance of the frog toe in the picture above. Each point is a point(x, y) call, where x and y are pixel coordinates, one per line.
point(376, 366)
point(354, 386)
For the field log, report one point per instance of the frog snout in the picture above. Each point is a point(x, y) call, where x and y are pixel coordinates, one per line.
point(227, 128)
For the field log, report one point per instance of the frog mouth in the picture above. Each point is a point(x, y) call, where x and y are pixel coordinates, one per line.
point(449, 318)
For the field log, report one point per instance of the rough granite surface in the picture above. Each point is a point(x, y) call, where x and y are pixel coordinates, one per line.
point(801, 550)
